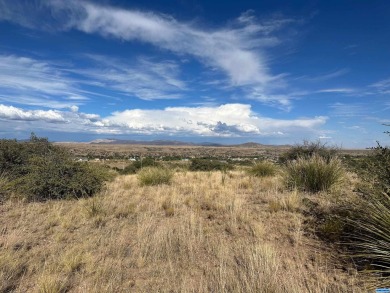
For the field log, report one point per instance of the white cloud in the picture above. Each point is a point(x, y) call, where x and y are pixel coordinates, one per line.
point(74, 108)
point(229, 120)
point(235, 50)
point(13, 113)
point(337, 90)
point(225, 120)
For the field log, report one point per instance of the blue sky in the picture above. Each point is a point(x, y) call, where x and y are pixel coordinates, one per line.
point(273, 72)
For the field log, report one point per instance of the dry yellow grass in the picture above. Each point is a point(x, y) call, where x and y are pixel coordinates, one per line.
point(202, 233)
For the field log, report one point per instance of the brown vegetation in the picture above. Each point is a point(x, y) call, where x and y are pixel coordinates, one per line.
point(205, 232)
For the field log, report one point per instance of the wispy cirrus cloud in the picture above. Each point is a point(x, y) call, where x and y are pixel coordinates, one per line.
point(325, 76)
point(228, 120)
point(282, 101)
point(27, 74)
point(229, 49)
point(145, 79)
point(382, 86)
point(32, 82)
point(349, 110)
point(236, 50)
point(27, 81)
point(337, 90)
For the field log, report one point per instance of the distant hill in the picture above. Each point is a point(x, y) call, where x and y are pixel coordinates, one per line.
point(250, 145)
point(173, 143)
point(153, 142)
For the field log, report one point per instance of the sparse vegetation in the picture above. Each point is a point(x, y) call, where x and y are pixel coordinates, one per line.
point(214, 231)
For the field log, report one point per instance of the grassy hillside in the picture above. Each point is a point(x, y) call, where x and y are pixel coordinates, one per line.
point(204, 232)
point(309, 222)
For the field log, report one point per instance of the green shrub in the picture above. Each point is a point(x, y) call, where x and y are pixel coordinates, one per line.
point(134, 167)
point(56, 179)
point(15, 156)
point(263, 169)
point(314, 174)
point(155, 176)
point(307, 150)
point(209, 165)
point(129, 169)
point(38, 170)
point(379, 168)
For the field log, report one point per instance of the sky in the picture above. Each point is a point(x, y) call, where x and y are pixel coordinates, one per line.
point(272, 72)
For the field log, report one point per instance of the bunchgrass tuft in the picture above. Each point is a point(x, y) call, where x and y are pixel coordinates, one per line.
point(155, 176)
point(263, 169)
point(314, 174)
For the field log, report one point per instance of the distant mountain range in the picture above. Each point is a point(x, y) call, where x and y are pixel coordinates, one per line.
point(170, 143)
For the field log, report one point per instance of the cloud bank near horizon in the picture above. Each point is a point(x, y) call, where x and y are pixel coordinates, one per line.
point(228, 120)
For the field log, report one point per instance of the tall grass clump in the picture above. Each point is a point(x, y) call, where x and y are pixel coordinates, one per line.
point(314, 174)
point(155, 176)
point(263, 169)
